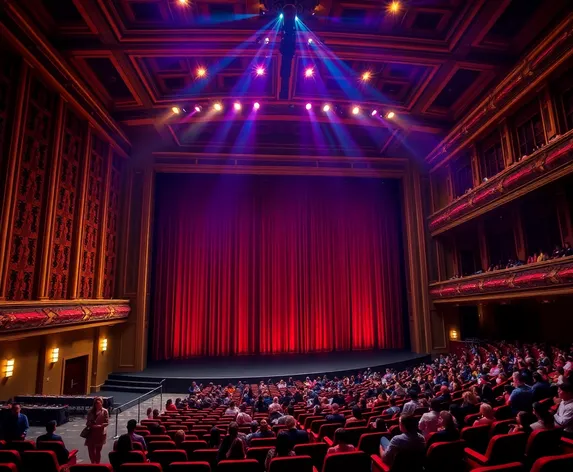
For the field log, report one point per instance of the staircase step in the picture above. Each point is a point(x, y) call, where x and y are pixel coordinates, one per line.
point(132, 383)
point(125, 388)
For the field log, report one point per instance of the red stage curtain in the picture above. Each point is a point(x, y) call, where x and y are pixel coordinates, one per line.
point(259, 264)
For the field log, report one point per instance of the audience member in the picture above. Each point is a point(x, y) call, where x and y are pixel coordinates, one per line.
point(178, 438)
point(448, 429)
point(275, 406)
point(243, 417)
point(283, 448)
point(232, 434)
point(430, 421)
point(16, 424)
point(564, 415)
point(335, 416)
point(541, 389)
point(487, 415)
point(169, 406)
point(263, 431)
point(521, 398)
point(150, 413)
point(410, 442)
point(236, 450)
point(410, 407)
point(524, 421)
point(356, 416)
point(297, 436)
point(393, 408)
point(341, 443)
point(131, 424)
point(51, 436)
point(544, 417)
point(232, 410)
point(214, 439)
point(122, 449)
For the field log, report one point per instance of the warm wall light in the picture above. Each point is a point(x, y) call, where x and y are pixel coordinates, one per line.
point(8, 368)
point(454, 334)
point(103, 345)
point(55, 355)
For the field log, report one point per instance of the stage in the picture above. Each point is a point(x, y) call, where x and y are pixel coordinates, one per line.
point(179, 374)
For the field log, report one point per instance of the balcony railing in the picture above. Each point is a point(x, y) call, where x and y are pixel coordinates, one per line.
point(539, 168)
point(538, 277)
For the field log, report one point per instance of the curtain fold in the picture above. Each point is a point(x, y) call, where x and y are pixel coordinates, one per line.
point(265, 264)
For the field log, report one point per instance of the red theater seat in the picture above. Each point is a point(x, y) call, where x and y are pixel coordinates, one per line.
point(446, 457)
point(347, 461)
point(156, 437)
point(317, 451)
point(58, 447)
point(91, 468)
point(512, 467)
point(8, 456)
point(554, 464)
point(543, 443)
point(204, 455)
point(131, 457)
point(502, 449)
point(369, 443)
point(291, 464)
point(45, 461)
point(403, 462)
point(190, 446)
point(500, 427)
point(262, 442)
point(166, 457)
point(163, 445)
point(353, 434)
point(189, 467)
point(22, 445)
point(476, 437)
point(326, 432)
point(145, 467)
point(10, 467)
point(259, 454)
point(245, 465)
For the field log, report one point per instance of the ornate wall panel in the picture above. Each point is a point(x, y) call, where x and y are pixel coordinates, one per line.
point(65, 212)
point(110, 260)
point(92, 218)
point(8, 75)
point(30, 193)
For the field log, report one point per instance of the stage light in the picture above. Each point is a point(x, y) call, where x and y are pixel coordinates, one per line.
point(394, 7)
point(374, 112)
point(296, 18)
point(197, 108)
point(218, 106)
point(183, 2)
point(176, 110)
point(260, 70)
point(310, 41)
point(356, 110)
point(237, 106)
point(201, 72)
point(55, 355)
point(308, 73)
point(308, 106)
point(326, 108)
point(281, 16)
point(366, 76)
point(256, 105)
point(267, 40)
point(390, 115)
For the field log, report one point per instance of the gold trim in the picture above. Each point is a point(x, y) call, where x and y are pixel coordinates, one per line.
point(102, 237)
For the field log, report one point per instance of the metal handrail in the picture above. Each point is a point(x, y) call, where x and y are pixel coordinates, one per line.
point(123, 406)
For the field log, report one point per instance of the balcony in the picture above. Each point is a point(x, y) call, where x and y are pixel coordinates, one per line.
point(546, 165)
point(22, 318)
point(547, 278)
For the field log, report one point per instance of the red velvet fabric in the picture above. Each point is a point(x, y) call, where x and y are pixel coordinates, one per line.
point(260, 264)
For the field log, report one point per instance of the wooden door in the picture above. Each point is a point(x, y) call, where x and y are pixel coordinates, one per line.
point(76, 376)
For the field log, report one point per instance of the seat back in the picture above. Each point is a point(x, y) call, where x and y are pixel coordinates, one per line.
point(156, 437)
point(317, 452)
point(262, 442)
point(315, 424)
point(145, 467)
point(90, 468)
point(245, 465)
point(22, 445)
point(8, 467)
point(511, 467)
point(204, 455)
point(163, 445)
point(500, 427)
point(355, 461)
point(56, 446)
point(12, 456)
point(369, 443)
point(309, 419)
point(505, 448)
point(132, 457)
point(291, 463)
point(190, 446)
point(189, 467)
point(476, 437)
point(446, 456)
point(166, 457)
point(327, 430)
point(553, 464)
point(543, 442)
point(33, 461)
point(259, 454)
point(353, 434)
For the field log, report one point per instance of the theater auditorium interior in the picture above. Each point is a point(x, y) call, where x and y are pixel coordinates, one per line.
point(286, 235)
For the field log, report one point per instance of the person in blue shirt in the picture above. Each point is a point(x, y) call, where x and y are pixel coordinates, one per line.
point(51, 435)
point(17, 425)
point(521, 398)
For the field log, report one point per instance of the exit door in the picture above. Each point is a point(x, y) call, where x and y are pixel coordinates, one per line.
point(76, 376)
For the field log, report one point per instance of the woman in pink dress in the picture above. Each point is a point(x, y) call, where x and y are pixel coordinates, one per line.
point(97, 421)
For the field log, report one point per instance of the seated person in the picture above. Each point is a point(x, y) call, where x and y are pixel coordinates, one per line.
point(341, 443)
point(179, 438)
point(243, 418)
point(232, 410)
point(448, 429)
point(410, 442)
point(544, 417)
point(430, 421)
point(487, 416)
point(283, 448)
point(51, 436)
point(170, 406)
point(393, 408)
point(237, 450)
point(335, 416)
point(214, 439)
point(297, 436)
point(356, 416)
point(131, 424)
point(524, 421)
point(264, 431)
point(121, 456)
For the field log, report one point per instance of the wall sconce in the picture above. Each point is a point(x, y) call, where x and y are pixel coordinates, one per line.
point(103, 345)
point(454, 335)
point(8, 368)
point(55, 355)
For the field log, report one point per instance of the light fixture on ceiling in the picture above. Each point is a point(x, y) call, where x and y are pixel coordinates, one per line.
point(310, 41)
point(201, 72)
point(374, 112)
point(366, 76)
point(394, 7)
point(176, 110)
point(218, 106)
point(355, 110)
point(237, 106)
point(390, 115)
point(256, 105)
point(198, 108)
point(308, 106)
point(260, 70)
point(326, 108)
point(309, 72)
